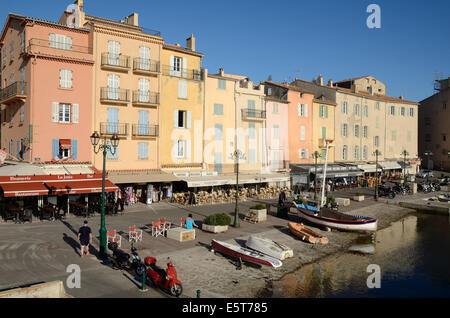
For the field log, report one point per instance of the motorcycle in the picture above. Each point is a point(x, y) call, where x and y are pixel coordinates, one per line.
point(385, 191)
point(425, 187)
point(436, 187)
point(165, 279)
point(121, 259)
point(400, 189)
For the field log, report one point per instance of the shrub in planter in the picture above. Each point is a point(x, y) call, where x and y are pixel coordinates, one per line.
point(359, 194)
point(331, 199)
point(218, 219)
point(258, 207)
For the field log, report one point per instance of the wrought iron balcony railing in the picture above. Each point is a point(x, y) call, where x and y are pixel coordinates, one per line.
point(253, 114)
point(145, 97)
point(191, 74)
point(146, 65)
point(14, 90)
point(115, 61)
point(145, 131)
point(114, 128)
point(114, 94)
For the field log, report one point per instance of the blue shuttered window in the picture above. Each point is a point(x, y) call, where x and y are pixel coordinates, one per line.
point(143, 150)
point(74, 149)
point(55, 148)
point(218, 132)
point(116, 154)
point(252, 156)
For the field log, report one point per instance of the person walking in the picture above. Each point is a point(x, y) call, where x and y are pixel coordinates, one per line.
point(190, 223)
point(85, 238)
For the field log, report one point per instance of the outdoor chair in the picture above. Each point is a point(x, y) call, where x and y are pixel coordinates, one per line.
point(134, 234)
point(165, 225)
point(27, 215)
point(8, 215)
point(112, 236)
point(183, 222)
point(157, 230)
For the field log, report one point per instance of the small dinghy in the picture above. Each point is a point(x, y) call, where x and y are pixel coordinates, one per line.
point(269, 247)
point(306, 234)
point(245, 254)
point(444, 198)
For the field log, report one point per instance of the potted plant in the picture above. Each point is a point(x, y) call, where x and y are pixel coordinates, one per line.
point(260, 211)
point(358, 197)
point(216, 223)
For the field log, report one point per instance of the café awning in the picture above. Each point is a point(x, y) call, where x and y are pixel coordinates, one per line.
point(23, 189)
point(389, 165)
point(367, 168)
point(76, 187)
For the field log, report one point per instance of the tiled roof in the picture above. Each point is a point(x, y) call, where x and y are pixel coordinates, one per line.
point(291, 87)
point(352, 79)
point(182, 49)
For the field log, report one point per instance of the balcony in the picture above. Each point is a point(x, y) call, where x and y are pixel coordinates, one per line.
point(146, 66)
point(145, 131)
point(253, 114)
point(115, 62)
point(114, 95)
point(189, 74)
point(114, 128)
point(57, 49)
point(145, 98)
point(13, 93)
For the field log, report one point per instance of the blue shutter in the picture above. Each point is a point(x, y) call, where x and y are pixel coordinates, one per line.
point(18, 148)
point(143, 122)
point(55, 148)
point(146, 150)
point(74, 149)
point(218, 132)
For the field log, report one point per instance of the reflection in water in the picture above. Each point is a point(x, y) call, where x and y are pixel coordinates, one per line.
point(412, 254)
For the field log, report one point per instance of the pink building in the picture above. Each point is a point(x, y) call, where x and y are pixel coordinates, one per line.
point(298, 121)
point(46, 90)
point(277, 112)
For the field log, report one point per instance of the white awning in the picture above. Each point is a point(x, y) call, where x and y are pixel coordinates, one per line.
point(368, 167)
point(389, 165)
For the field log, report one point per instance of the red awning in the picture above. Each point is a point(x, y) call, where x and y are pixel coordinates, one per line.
point(65, 144)
point(22, 189)
point(75, 187)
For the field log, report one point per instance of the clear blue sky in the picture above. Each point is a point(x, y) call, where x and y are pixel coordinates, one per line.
point(293, 38)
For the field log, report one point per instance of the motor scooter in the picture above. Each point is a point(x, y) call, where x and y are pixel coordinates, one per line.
point(121, 259)
point(165, 279)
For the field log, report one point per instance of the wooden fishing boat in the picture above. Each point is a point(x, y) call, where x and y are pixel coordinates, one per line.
point(269, 247)
point(306, 234)
point(245, 254)
point(444, 198)
point(337, 220)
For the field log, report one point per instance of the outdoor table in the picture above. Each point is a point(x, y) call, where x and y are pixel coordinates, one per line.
point(46, 210)
point(80, 208)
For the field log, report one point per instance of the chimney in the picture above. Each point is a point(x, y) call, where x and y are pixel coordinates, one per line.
point(132, 19)
point(370, 88)
point(80, 4)
point(330, 82)
point(320, 80)
point(221, 71)
point(190, 43)
point(178, 44)
point(401, 97)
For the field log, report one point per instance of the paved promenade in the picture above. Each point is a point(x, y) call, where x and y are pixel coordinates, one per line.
point(41, 251)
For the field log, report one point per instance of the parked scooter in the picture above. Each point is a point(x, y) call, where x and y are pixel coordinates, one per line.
point(165, 279)
point(385, 191)
point(121, 259)
point(425, 187)
point(400, 189)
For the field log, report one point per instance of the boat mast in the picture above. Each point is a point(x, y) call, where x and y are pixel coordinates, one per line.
point(324, 173)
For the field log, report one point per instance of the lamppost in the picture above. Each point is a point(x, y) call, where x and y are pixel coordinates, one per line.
point(315, 156)
point(376, 154)
point(404, 154)
point(95, 138)
point(238, 155)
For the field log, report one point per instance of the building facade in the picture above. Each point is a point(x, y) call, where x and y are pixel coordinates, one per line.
point(323, 128)
point(46, 90)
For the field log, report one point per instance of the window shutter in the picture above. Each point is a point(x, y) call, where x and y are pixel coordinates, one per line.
point(175, 150)
point(74, 149)
point(188, 119)
point(55, 112)
point(306, 110)
point(326, 111)
point(302, 133)
point(175, 118)
point(69, 79)
point(188, 149)
point(172, 63)
point(185, 89)
point(55, 148)
point(299, 109)
point(184, 66)
point(75, 116)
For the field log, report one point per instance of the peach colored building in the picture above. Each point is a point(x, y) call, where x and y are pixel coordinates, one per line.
point(46, 90)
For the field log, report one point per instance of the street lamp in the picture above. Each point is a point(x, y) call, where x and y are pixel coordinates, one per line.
point(112, 148)
point(238, 155)
point(404, 154)
point(428, 153)
point(315, 156)
point(376, 154)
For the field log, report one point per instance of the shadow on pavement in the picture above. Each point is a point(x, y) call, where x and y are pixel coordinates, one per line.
point(72, 242)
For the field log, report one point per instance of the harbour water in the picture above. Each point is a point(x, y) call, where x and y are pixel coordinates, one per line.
point(413, 256)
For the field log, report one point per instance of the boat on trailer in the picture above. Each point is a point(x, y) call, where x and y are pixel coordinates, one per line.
point(269, 247)
point(306, 234)
point(245, 254)
point(333, 219)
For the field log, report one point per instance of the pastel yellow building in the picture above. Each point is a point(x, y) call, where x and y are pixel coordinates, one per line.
point(323, 128)
point(182, 96)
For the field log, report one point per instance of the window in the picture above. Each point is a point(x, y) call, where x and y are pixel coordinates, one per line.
point(65, 78)
point(304, 153)
point(356, 109)
point(113, 53)
point(377, 106)
point(427, 137)
point(251, 131)
point(275, 108)
point(22, 41)
point(252, 156)
point(323, 111)
point(356, 152)
point(143, 150)
point(444, 137)
point(116, 153)
point(366, 111)
point(427, 121)
point(218, 109)
point(324, 132)
point(182, 119)
point(269, 91)
point(344, 130)
point(402, 111)
point(391, 110)
point(222, 84)
point(181, 146)
point(394, 135)
point(302, 133)
point(302, 110)
point(356, 130)
point(344, 107)
point(344, 154)
point(11, 51)
point(411, 112)
point(175, 65)
point(376, 141)
point(182, 89)
point(366, 132)
point(444, 106)
point(59, 41)
point(113, 86)
point(5, 56)
point(64, 113)
point(365, 152)
point(276, 132)
point(144, 58)
point(218, 132)
point(11, 114)
point(144, 90)
point(64, 153)
point(22, 112)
